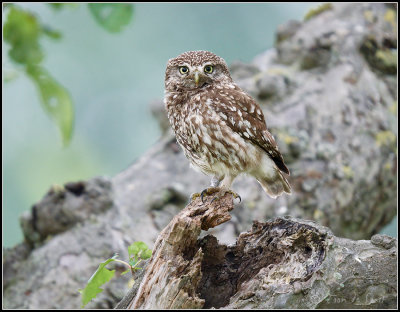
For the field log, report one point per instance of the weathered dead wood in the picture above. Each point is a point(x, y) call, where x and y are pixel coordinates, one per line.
point(282, 263)
point(174, 271)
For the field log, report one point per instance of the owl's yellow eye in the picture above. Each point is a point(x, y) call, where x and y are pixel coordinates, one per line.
point(208, 69)
point(183, 70)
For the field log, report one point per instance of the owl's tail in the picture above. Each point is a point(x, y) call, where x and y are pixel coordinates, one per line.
point(276, 185)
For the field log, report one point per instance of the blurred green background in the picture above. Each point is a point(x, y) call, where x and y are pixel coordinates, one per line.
point(111, 78)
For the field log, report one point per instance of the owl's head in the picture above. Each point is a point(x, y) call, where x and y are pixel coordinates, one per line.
point(195, 70)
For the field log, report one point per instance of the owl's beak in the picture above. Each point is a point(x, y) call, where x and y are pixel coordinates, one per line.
point(196, 78)
point(199, 79)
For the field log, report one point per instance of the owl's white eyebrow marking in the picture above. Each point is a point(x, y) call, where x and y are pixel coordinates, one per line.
point(184, 64)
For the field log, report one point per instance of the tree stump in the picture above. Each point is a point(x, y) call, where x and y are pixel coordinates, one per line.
point(281, 263)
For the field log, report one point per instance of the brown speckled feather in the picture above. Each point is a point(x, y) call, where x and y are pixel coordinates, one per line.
point(246, 118)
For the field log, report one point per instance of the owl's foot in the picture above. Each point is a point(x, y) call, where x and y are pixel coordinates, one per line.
point(219, 193)
point(208, 191)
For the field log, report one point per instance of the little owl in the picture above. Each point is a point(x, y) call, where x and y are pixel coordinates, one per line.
point(220, 127)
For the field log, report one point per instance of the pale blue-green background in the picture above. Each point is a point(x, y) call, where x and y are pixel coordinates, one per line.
point(112, 78)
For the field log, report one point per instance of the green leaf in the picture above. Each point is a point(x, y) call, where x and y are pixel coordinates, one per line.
point(56, 6)
point(99, 278)
point(53, 34)
point(55, 101)
point(138, 249)
point(123, 273)
point(112, 16)
point(22, 31)
point(59, 6)
point(146, 254)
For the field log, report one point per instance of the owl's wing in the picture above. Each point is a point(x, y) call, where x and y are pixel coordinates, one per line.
point(243, 115)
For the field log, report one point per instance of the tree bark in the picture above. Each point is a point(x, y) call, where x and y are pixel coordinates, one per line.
point(282, 263)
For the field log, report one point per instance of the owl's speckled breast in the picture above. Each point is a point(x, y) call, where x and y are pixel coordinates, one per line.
point(205, 138)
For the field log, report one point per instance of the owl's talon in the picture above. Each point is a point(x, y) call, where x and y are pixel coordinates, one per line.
point(202, 196)
point(215, 197)
point(208, 191)
point(235, 195)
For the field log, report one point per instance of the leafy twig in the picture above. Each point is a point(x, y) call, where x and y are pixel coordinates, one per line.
point(138, 251)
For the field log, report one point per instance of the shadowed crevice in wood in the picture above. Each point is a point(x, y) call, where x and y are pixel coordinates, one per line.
point(268, 246)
